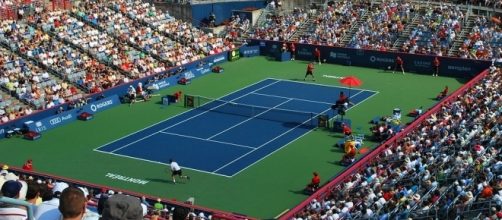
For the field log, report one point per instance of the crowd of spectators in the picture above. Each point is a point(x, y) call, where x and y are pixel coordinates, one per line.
point(101, 45)
point(484, 41)
point(31, 83)
point(436, 31)
point(128, 30)
point(333, 23)
point(448, 165)
point(280, 27)
point(183, 32)
point(11, 109)
point(96, 46)
point(61, 200)
point(432, 29)
point(236, 27)
point(384, 25)
point(70, 63)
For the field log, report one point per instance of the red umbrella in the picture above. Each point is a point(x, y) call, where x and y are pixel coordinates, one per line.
point(351, 81)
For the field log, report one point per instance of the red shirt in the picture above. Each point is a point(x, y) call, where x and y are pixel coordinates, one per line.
point(347, 130)
point(399, 61)
point(139, 89)
point(316, 180)
point(388, 195)
point(28, 166)
point(292, 47)
point(317, 53)
point(445, 91)
point(487, 192)
point(177, 95)
point(342, 98)
point(436, 62)
point(310, 67)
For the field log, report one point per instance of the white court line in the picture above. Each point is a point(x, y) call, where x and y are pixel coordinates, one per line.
point(242, 122)
point(177, 115)
point(187, 119)
point(204, 139)
point(284, 97)
point(271, 141)
point(157, 162)
point(297, 137)
point(323, 85)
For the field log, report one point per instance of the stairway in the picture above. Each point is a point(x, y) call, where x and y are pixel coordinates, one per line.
point(306, 27)
point(407, 31)
point(353, 30)
point(459, 39)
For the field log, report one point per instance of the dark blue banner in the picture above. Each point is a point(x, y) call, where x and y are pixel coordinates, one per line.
point(71, 115)
point(449, 66)
point(250, 51)
point(102, 104)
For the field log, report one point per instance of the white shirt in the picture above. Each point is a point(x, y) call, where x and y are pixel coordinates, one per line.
point(48, 210)
point(13, 213)
point(175, 166)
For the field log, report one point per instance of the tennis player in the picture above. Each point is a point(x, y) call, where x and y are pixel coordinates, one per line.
point(436, 64)
point(317, 55)
point(176, 171)
point(399, 64)
point(310, 71)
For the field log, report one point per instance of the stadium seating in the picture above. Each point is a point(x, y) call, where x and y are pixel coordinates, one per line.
point(439, 169)
point(443, 168)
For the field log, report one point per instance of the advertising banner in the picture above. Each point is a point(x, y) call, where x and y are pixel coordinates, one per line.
point(234, 55)
point(250, 51)
point(449, 66)
point(71, 115)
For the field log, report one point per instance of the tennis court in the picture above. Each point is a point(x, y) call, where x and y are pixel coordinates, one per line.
point(229, 134)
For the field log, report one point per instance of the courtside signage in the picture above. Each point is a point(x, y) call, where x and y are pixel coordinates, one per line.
point(72, 115)
point(102, 104)
point(250, 51)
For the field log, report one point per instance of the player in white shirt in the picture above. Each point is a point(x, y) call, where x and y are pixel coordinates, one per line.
point(176, 171)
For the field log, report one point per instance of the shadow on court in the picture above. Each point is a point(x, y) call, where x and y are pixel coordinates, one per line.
point(157, 180)
point(300, 192)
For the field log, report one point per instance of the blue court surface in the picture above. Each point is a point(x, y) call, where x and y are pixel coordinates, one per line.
point(224, 138)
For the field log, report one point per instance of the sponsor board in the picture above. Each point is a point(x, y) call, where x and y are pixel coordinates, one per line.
point(234, 55)
point(102, 104)
point(72, 115)
point(304, 52)
point(341, 56)
point(188, 75)
point(460, 68)
point(219, 59)
point(376, 59)
point(250, 51)
point(422, 64)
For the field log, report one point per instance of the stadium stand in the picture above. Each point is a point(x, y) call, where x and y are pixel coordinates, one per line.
point(442, 168)
point(442, 29)
point(183, 32)
point(447, 166)
point(50, 186)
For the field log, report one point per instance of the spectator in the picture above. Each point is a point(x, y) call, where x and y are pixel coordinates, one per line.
point(122, 207)
point(48, 209)
point(72, 204)
point(33, 194)
point(12, 189)
point(314, 183)
point(28, 165)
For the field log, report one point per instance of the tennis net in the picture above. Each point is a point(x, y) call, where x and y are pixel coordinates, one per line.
point(261, 112)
